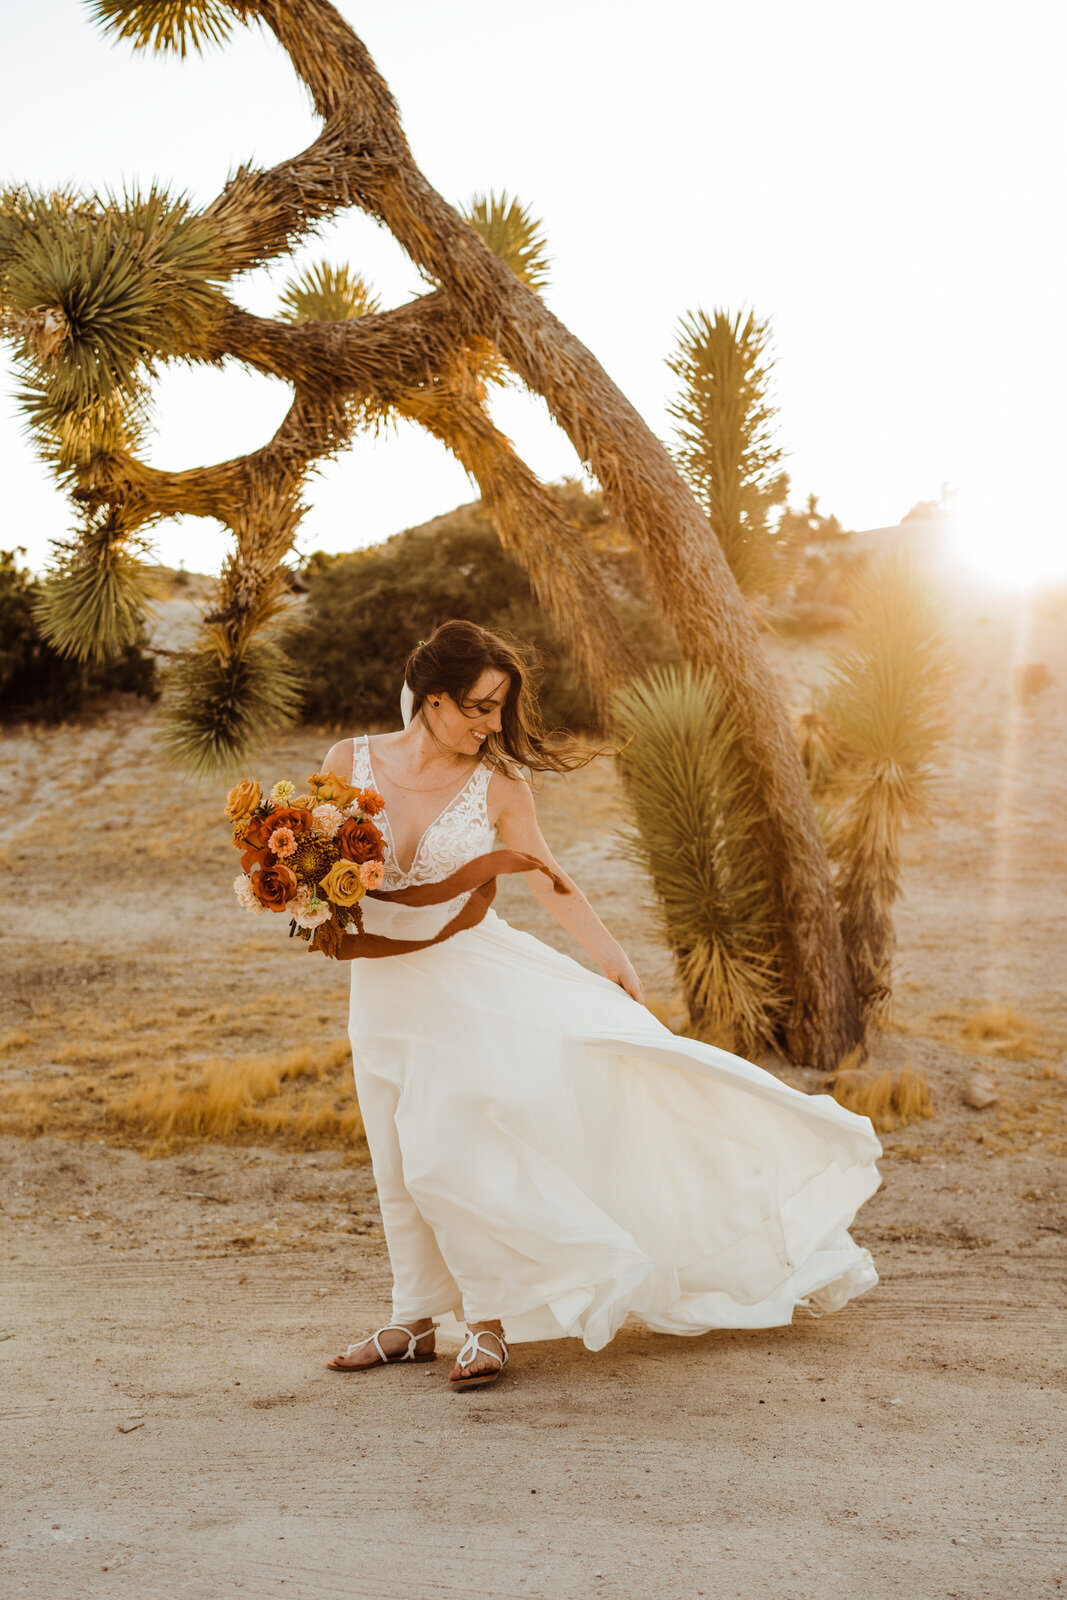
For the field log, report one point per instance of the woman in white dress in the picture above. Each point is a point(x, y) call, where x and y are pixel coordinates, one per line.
point(547, 1154)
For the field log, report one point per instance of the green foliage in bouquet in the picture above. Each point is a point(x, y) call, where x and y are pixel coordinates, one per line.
point(696, 832)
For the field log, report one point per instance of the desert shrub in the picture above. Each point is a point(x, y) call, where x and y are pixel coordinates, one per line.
point(871, 743)
point(891, 1099)
point(365, 610)
point(35, 680)
point(696, 832)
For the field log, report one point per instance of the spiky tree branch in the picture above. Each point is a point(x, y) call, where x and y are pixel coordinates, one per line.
point(372, 166)
point(361, 158)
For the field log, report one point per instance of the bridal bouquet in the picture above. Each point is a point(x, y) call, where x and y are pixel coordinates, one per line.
point(312, 856)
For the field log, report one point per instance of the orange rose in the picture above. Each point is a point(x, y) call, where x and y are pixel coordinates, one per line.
point(273, 887)
point(242, 798)
point(295, 817)
point(359, 841)
point(371, 802)
point(256, 850)
point(343, 884)
point(328, 786)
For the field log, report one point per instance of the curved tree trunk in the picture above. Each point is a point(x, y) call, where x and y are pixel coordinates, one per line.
point(363, 157)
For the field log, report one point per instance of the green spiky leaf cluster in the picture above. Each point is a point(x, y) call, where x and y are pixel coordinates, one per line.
point(95, 293)
point(81, 443)
point(327, 294)
point(696, 833)
point(513, 233)
point(879, 723)
point(181, 25)
point(92, 608)
point(726, 446)
point(222, 704)
point(886, 689)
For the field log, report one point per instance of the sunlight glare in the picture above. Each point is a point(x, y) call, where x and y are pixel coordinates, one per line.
point(1009, 536)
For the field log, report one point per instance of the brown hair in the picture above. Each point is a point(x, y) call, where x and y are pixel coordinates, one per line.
point(452, 660)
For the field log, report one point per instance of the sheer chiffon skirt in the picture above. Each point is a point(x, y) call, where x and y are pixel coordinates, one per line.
point(548, 1153)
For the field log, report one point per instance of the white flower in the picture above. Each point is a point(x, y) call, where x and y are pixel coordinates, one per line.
point(306, 912)
point(326, 819)
point(242, 888)
point(283, 792)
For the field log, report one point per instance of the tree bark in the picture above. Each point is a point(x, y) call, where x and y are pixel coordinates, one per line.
point(363, 156)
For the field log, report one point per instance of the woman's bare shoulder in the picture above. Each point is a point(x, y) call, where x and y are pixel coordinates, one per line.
point(509, 789)
point(339, 758)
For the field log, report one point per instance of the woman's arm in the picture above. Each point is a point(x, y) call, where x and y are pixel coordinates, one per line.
point(517, 825)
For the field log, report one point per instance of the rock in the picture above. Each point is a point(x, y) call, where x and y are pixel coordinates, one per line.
point(980, 1093)
point(1031, 679)
point(128, 1427)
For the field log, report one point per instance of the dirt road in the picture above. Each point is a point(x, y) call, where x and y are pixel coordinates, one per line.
point(170, 1431)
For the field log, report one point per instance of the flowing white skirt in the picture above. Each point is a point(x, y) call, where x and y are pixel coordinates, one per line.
point(546, 1152)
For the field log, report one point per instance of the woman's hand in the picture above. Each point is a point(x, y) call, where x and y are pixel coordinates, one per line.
point(621, 971)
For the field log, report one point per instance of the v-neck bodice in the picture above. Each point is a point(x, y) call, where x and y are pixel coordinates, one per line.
point(459, 832)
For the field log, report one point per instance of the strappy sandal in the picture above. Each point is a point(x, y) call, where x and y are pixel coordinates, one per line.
point(385, 1360)
point(472, 1348)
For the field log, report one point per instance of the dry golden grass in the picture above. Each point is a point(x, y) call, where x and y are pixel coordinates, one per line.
point(301, 1098)
point(891, 1099)
point(1003, 1031)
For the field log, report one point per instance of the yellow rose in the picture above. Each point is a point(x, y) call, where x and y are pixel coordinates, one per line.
point(242, 799)
point(302, 802)
point(342, 884)
point(329, 787)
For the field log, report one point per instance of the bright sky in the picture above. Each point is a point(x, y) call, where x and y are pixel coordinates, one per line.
point(885, 183)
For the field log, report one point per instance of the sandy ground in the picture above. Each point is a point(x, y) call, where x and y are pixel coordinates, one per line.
point(169, 1427)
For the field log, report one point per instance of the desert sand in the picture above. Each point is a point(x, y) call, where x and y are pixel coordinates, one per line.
point(168, 1303)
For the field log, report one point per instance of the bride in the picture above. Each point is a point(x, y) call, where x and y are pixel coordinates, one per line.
point(548, 1155)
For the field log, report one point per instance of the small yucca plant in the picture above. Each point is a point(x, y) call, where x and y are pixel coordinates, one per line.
point(697, 834)
point(871, 750)
point(726, 446)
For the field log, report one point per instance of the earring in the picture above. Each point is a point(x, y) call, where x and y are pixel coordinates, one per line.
point(435, 702)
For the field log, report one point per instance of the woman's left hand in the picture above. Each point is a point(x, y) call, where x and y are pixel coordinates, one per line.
point(621, 971)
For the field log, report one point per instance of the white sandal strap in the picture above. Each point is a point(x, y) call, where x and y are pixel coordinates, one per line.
point(413, 1339)
point(471, 1342)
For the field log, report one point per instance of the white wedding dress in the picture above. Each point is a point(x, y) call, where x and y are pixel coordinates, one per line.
point(546, 1152)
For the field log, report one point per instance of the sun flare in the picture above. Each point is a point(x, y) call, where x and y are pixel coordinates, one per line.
point(1012, 539)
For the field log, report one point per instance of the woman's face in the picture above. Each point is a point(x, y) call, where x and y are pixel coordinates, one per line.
point(464, 728)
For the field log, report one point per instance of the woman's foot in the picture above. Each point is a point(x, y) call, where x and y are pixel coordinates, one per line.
point(394, 1341)
point(489, 1357)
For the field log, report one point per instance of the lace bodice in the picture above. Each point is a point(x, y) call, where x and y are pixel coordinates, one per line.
point(459, 832)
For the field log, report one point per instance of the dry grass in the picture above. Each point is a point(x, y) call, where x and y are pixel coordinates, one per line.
point(891, 1099)
point(301, 1098)
point(1003, 1031)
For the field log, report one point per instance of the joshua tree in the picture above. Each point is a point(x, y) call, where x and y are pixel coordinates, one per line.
point(726, 437)
point(97, 292)
point(870, 744)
